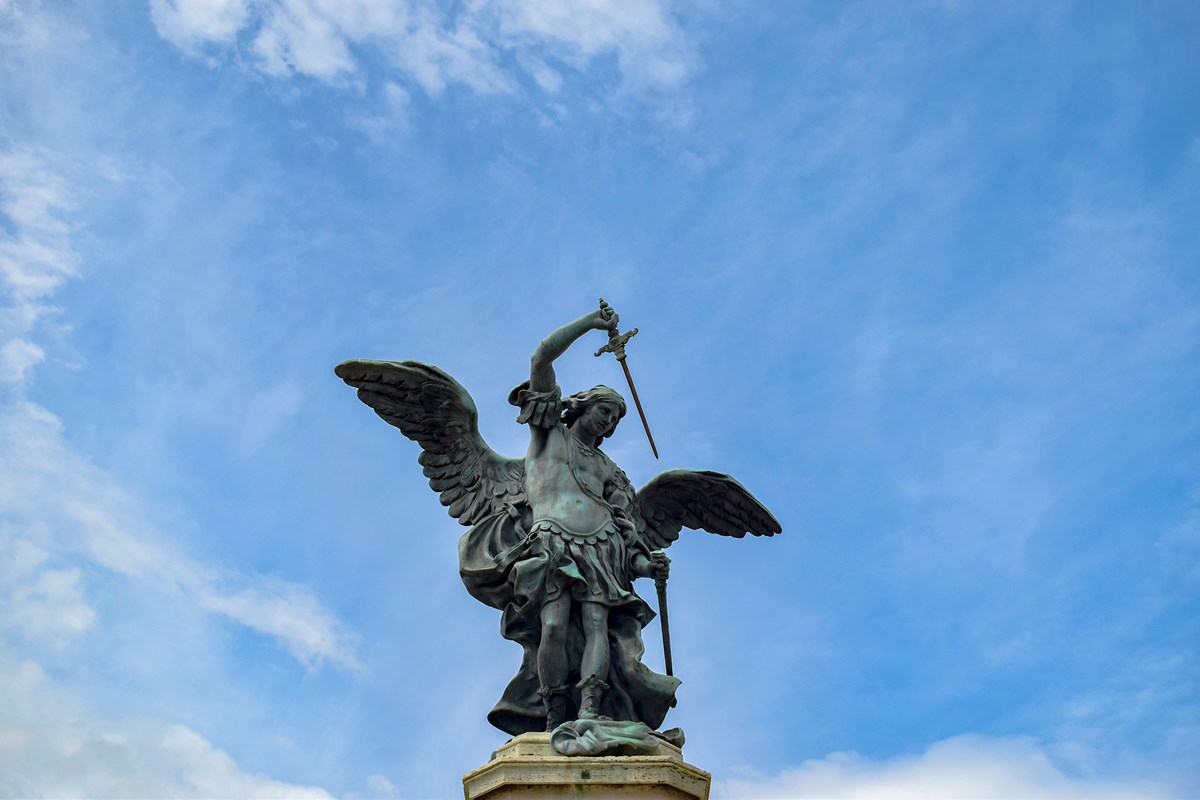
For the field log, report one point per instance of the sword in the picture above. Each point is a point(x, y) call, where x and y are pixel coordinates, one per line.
point(616, 346)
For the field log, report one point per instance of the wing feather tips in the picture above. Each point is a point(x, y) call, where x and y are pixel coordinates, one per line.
point(359, 370)
point(347, 369)
point(701, 500)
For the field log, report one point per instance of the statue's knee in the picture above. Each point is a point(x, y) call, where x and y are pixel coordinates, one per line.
point(595, 618)
point(553, 629)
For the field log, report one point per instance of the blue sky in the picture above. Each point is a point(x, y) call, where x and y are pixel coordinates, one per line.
point(923, 276)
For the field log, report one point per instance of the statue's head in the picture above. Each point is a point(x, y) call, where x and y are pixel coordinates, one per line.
point(599, 409)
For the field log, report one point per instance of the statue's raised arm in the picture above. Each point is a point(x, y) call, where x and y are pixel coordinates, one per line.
point(540, 399)
point(541, 363)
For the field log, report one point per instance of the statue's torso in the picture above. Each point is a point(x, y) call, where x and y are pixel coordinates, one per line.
point(554, 492)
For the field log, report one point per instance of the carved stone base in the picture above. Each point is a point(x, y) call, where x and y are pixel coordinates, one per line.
point(527, 768)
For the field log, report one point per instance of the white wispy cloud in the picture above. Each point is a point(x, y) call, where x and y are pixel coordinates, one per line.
point(961, 767)
point(191, 24)
point(434, 47)
point(390, 118)
point(51, 745)
point(56, 506)
point(36, 257)
point(17, 357)
point(45, 485)
point(648, 45)
point(42, 602)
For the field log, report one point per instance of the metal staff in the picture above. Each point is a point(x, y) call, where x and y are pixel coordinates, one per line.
point(616, 346)
point(664, 621)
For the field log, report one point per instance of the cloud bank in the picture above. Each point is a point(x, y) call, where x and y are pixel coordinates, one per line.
point(50, 746)
point(965, 767)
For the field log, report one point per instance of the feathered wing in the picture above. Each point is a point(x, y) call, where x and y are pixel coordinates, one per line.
point(435, 411)
point(684, 498)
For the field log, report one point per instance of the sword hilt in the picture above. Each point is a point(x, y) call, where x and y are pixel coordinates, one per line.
point(616, 346)
point(616, 341)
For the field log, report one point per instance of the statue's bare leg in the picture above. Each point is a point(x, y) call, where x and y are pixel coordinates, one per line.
point(552, 659)
point(595, 648)
point(596, 659)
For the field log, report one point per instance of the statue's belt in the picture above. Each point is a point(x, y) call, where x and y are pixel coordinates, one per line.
point(606, 529)
point(543, 527)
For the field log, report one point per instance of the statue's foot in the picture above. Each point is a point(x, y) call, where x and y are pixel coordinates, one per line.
point(591, 692)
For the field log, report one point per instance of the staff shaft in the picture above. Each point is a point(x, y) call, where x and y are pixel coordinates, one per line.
point(664, 622)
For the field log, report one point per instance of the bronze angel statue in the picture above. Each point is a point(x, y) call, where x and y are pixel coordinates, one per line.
point(558, 537)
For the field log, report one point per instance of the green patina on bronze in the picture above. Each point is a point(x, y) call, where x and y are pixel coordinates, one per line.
point(558, 537)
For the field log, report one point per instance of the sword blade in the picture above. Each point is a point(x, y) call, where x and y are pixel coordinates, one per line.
point(637, 402)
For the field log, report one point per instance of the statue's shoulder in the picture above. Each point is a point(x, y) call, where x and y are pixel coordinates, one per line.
point(618, 478)
point(551, 443)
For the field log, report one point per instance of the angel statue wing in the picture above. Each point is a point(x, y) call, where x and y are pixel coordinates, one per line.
point(436, 412)
point(699, 499)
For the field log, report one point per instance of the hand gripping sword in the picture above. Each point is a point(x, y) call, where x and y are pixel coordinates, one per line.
point(616, 346)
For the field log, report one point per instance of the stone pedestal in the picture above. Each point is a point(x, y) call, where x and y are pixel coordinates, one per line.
point(527, 768)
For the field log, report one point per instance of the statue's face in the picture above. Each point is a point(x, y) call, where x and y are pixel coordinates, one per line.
point(599, 419)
